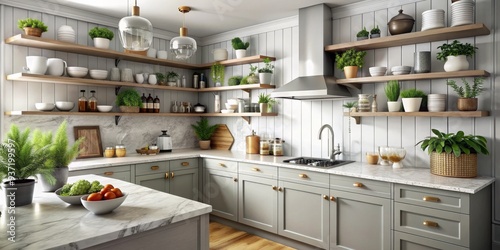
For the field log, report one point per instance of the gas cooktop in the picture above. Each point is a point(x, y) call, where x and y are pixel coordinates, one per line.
point(317, 162)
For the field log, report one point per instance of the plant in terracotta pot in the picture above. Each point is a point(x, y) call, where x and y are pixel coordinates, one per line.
point(375, 32)
point(217, 74)
point(19, 160)
point(413, 99)
point(350, 61)
point(129, 101)
point(101, 37)
point(204, 131)
point(265, 101)
point(266, 73)
point(392, 91)
point(454, 154)
point(240, 47)
point(32, 27)
point(455, 55)
point(362, 34)
point(252, 76)
point(467, 94)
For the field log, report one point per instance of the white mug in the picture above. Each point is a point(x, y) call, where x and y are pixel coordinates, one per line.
point(139, 78)
point(162, 54)
point(115, 74)
point(55, 66)
point(36, 64)
point(151, 53)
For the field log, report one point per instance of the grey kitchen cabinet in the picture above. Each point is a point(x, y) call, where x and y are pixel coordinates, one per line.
point(184, 183)
point(153, 175)
point(405, 241)
point(258, 196)
point(123, 173)
point(220, 187)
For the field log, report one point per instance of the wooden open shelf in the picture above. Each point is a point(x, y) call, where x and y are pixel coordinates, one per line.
point(477, 29)
point(357, 115)
point(414, 77)
point(43, 43)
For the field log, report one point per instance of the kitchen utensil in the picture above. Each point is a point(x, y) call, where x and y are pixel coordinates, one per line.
point(252, 143)
point(401, 23)
point(55, 66)
point(164, 142)
point(36, 64)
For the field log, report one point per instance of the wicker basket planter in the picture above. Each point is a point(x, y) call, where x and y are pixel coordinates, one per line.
point(33, 31)
point(129, 109)
point(464, 166)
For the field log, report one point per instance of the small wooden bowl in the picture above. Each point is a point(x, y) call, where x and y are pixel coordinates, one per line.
point(147, 151)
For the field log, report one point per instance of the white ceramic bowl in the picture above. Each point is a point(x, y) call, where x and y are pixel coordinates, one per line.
point(43, 106)
point(377, 71)
point(401, 68)
point(98, 74)
point(104, 206)
point(73, 200)
point(64, 106)
point(104, 108)
point(227, 111)
point(231, 106)
point(77, 71)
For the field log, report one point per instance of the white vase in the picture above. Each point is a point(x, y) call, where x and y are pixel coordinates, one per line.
point(265, 78)
point(394, 106)
point(456, 63)
point(240, 53)
point(412, 104)
point(101, 43)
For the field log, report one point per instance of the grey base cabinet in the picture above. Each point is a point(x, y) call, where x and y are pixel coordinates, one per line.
point(220, 187)
point(154, 181)
point(124, 173)
point(184, 183)
point(403, 241)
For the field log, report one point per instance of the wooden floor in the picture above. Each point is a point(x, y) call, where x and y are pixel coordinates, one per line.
point(228, 238)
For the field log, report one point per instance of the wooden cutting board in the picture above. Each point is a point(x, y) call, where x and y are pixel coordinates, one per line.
point(222, 138)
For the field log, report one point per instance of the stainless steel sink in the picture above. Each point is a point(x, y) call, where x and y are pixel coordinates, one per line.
point(317, 162)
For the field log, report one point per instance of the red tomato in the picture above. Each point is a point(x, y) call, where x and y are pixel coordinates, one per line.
point(117, 191)
point(109, 186)
point(94, 197)
point(109, 195)
point(104, 190)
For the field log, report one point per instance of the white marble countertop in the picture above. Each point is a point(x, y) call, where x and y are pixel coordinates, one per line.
point(50, 223)
point(408, 175)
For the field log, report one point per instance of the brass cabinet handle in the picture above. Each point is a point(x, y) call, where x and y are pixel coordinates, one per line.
point(430, 223)
point(280, 189)
point(166, 175)
point(172, 175)
point(431, 198)
point(222, 165)
point(325, 197)
point(303, 176)
point(108, 173)
point(332, 198)
point(155, 167)
point(256, 169)
point(275, 187)
point(185, 163)
point(235, 179)
point(358, 184)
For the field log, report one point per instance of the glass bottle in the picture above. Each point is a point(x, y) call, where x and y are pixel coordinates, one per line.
point(183, 81)
point(144, 107)
point(156, 105)
point(182, 108)
point(374, 104)
point(150, 102)
point(174, 107)
point(202, 81)
point(217, 104)
point(189, 108)
point(82, 102)
point(92, 102)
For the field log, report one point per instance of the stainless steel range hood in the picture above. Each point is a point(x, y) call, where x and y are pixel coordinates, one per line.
point(315, 79)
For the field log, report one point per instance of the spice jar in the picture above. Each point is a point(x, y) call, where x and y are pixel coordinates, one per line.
point(278, 147)
point(109, 152)
point(120, 151)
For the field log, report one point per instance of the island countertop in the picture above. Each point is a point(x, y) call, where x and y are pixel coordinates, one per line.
point(50, 223)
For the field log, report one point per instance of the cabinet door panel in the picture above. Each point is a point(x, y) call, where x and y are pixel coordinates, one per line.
point(185, 183)
point(221, 191)
point(153, 181)
point(404, 241)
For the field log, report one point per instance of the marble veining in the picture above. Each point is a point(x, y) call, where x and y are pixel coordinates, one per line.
point(50, 223)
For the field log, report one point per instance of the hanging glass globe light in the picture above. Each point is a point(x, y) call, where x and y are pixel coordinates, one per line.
point(136, 33)
point(183, 46)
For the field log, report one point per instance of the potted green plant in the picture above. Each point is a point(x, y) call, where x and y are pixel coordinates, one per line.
point(454, 154)
point(467, 100)
point(101, 37)
point(32, 26)
point(19, 160)
point(265, 101)
point(266, 73)
point(61, 155)
point(350, 61)
point(160, 78)
point(392, 91)
point(239, 47)
point(363, 34)
point(217, 74)
point(375, 32)
point(252, 76)
point(455, 55)
point(172, 78)
point(129, 101)
point(412, 99)
point(234, 80)
point(204, 131)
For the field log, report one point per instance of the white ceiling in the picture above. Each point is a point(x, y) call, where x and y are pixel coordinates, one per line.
point(207, 17)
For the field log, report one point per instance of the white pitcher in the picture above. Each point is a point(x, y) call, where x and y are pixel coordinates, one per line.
point(55, 66)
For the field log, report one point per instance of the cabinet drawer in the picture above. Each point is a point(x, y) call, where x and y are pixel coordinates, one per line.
point(361, 186)
point(404, 241)
point(183, 164)
point(304, 177)
point(224, 165)
point(151, 168)
point(107, 171)
point(433, 198)
point(258, 170)
point(432, 223)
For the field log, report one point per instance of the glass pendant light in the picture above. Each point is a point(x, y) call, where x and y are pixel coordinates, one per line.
point(136, 33)
point(183, 46)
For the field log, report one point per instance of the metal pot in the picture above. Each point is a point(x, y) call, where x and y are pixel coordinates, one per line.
point(401, 23)
point(199, 108)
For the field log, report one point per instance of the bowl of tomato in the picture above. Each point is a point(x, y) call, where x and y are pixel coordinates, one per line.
point(105, 201)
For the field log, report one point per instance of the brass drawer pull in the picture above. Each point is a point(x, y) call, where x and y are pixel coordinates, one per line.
point(108, 173)
point(358, 184)
point(172, 175)
point(275, 187)
point(332, 198)
point(430, 223)
point(430, 198)
point(303, 176)
point(235, 179)
point(256, 169)
point(155, 167)
point(166, 175)
point(325, 197)
point(280, 189)
point(185, 163)
point(222, 165)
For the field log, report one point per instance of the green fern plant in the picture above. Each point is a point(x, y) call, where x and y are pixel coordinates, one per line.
point(203, 130)
point(467, 91)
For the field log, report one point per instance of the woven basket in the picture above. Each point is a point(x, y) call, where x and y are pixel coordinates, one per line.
point(464, 166)
point(33, 31)
point(128, 109)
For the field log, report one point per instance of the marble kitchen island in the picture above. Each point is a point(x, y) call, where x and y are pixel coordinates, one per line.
point(147, 219)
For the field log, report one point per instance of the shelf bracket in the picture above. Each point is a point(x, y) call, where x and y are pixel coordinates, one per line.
point(247, 118)
point(117, 89)
point(117, 119)
point(117, 61)
point(247, 90)
point(357, 119)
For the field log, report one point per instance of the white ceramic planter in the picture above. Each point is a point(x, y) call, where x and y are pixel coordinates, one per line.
point(456, 63)
point(265, 78)
point(412, 104)
point(394, 106)
point(240, 53)
point(101, 43)
point(220, 54)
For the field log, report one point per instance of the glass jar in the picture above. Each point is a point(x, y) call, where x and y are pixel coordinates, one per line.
point(264, 144)
point(109, 152)
point(92, 102)
point(278, 147)
point(120, 150)
point(82, 102)
point(364, 103)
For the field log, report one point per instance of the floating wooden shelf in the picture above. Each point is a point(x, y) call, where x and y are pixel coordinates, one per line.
point(357, 115)
point(478, 29)
point(43, 43)
point(414, 77)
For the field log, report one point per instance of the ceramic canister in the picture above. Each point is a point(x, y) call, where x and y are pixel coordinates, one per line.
point(422, 62)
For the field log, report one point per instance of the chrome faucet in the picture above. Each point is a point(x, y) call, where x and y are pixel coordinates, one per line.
point(334, 152)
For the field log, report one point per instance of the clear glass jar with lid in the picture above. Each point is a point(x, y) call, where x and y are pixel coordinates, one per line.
point(109, 152)
point(278, 147)
point(364, 104)
point(120, 150)
point(82, 102)
point(92, 102)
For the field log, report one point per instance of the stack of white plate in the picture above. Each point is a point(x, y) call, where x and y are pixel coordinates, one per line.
point(462, 12)
point(436, 102)
point(401, 70)
point(432, 19)
point(66, 33)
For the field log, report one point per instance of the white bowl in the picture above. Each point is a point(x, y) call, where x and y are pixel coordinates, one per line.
point(77, 71)
point(377, 71)
point(401, 68)
point(227, 111)
point(104, 206)
point(43, 106)
point(73, 200)
point(98, 74)
point(231, 106)
point(104, 108)
point(64, 106)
